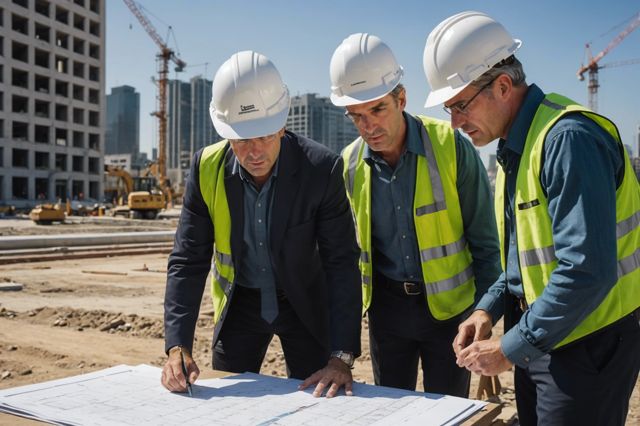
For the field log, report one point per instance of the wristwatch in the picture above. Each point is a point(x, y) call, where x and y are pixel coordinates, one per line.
point(346, 357)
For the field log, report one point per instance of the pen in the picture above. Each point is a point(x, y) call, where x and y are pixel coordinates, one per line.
point(184, 371)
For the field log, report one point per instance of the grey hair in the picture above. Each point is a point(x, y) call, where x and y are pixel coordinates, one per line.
point(510, 66)
point(396, 91)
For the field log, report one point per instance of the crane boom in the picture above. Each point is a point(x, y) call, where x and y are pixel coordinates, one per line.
point(592, 66)
point(163, 57)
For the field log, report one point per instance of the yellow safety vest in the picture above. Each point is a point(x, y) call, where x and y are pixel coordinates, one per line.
point(215, 197)
point(536, 252)
point(447, 272)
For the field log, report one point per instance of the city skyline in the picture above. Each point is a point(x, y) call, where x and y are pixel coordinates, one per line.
point(300, 38)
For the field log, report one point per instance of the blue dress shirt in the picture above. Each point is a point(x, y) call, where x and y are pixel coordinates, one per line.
point(581, 170)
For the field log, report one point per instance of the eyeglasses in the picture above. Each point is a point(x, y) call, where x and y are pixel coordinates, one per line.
point(462, 107)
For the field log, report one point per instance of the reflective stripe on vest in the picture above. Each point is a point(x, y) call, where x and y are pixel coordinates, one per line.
point(445, 256)
point(214, 195)
point(533, 223)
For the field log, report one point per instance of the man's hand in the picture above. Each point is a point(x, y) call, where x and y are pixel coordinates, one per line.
point(475, 328)
point(484, 357)
point(336, 374)
point(172, 376)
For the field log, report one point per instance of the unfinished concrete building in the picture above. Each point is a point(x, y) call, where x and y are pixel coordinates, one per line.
point(51, 100)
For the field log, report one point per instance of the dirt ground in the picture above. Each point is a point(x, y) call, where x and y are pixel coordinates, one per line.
point(76, 316)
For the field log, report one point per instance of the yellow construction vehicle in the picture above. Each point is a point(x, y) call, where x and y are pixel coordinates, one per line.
point(46, 214)
point(143, 199)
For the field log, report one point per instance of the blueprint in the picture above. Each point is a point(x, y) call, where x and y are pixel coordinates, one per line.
point(126, 395)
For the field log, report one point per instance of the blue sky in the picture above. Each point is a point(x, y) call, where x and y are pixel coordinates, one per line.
point(300, 37)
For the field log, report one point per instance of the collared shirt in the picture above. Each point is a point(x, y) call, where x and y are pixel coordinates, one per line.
point(581, 170)
point(394, 241)
point(256, 269)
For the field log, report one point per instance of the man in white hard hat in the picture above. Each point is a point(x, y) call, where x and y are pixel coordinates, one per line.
point(428, 247)
point(266, 212)
point(568, 210)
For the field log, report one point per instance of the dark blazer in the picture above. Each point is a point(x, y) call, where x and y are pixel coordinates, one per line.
point(313, 247)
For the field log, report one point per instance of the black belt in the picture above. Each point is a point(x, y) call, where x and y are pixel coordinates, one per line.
point(407, 288)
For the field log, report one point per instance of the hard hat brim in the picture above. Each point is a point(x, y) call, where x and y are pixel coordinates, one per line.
point(252, 128)
point(361, 97)
point(441, 96)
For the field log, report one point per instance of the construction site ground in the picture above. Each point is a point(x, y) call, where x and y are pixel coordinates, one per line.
point(79, 315)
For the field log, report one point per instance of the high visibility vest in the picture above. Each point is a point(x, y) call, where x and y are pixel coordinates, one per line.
point(215, 197)
point(449, 282)
point(536, 254)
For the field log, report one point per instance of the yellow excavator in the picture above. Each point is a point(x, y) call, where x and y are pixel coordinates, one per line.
point(143, 198)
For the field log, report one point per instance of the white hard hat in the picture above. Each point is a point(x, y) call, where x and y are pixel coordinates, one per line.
point(249, 98)
point(462, 48)
point(362, 69)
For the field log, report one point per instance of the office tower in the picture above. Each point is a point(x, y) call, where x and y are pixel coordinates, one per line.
point(123, 123)
point(51, 99)
point(317, 118)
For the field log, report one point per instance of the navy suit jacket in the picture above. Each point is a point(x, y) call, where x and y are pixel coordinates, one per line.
point(312, 239)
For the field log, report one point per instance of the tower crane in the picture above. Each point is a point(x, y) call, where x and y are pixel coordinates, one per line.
point(592, 66)
point(162, 60)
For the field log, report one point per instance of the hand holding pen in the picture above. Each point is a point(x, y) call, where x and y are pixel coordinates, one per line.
point(180, 371)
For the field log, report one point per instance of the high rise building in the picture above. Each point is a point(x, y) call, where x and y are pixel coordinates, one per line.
point(189, 126)
point(317, 118)
point(51, 99)
point(123, 123)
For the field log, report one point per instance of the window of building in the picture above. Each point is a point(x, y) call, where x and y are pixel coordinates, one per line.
point(78, 69)
point(94, 51)
point(94, 118)
point(42, 160)
point(61, 189)
point(1, 40)
point(77, 163)
point(78, 21)
point(20, 24)
point(41, 108)
point(62, 64)
point(42, 134)
point(94, 190)
point(23, 3)
point(19, 104)
point(62, 15)
point(62, 88)
point(94, 165)
point(42, 58)
point(94, 5)
point(1, 136)
point(79, 2)
point(78, 92)
point(62, 112)
point(78, 139)
point(77, 189)
point(94, 96)
point(61, 137)
point(42, 188)
point(42, 7)
point(41, 83)
point(94, 141)
point(78, 46)
point(43, 32)
point(19, 131)
point(61, 162)
point(20, 52)
point(94, 28)
point(20, 158)
point(20, 187)
point(78, 115)
point(94, 73)
point(62, 40)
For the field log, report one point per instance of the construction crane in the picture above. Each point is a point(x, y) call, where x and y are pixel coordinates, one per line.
point(162, 59)
point(592, 66)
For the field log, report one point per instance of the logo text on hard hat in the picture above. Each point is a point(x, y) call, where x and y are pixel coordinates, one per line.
point(358, 82)
point(245, 109)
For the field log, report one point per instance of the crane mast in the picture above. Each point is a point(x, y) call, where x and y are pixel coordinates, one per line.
point(162, 64)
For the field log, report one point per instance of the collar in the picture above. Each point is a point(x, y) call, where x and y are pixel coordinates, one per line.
point(412, 140)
